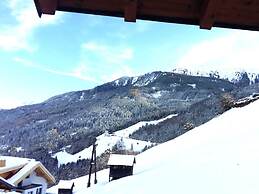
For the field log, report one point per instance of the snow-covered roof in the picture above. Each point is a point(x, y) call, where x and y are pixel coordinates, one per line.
point(13, 163)
point(121, 160)
point(65, 184)
point(26, 167)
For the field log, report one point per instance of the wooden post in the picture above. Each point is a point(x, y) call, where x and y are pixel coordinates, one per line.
point(90, 170)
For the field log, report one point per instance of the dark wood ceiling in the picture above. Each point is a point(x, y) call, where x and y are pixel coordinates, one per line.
point(239, 14)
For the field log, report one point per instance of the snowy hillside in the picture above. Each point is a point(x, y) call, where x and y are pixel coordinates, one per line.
point(108, 141)
point(235, 77)
point(219, 157)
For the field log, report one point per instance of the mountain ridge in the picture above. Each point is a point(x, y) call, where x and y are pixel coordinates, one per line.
point(241, 78)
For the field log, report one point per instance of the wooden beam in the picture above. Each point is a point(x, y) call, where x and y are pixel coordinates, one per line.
point(46, 6)
point(130, 12)
point(208, 13)
point(238, 14)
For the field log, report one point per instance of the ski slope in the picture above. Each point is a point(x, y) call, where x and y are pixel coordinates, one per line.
point(219, 157)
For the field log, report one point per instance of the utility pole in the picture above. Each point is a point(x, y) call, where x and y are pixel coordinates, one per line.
point(95, 176)
point(92, 162)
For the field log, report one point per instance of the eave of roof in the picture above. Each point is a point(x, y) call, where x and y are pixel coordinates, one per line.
point(237, 14)
point(6, 183)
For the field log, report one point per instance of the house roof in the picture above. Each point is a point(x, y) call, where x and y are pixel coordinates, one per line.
point(121, 160)
point(13, 163)
point(238, 14)
point(65, 184)
point(22, 167)
point(28, 169)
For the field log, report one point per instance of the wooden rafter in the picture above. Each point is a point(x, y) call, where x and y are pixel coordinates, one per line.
point(130, 14)
point(239, 14)
point(208, 13)
point(46, 6)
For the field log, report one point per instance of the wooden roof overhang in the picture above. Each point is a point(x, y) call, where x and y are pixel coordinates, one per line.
point(239, 14)
point(4, 184)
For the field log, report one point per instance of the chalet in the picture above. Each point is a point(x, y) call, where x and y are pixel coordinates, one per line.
point(65, 187)
point(120, 166)
point(23, 175)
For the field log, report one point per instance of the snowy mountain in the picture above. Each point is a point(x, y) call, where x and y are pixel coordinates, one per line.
point(138, 81)
point(237, 77)
point(219, 157)
point(85, 113)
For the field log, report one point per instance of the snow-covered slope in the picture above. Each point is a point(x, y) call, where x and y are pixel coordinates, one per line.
point(219, 157)
point(108, 141)
point(137, 81)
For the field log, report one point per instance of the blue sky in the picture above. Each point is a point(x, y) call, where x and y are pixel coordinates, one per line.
point(40, 58)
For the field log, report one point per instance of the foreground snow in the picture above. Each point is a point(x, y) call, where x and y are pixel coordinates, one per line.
point(219, 157)
point(108, 141)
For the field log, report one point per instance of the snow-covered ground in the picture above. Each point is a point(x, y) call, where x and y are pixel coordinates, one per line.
point(108, 141)
point(219, 157)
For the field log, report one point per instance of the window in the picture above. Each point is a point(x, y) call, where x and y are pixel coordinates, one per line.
point(39, 191)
